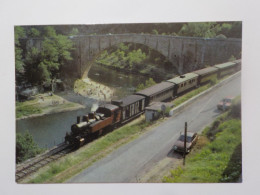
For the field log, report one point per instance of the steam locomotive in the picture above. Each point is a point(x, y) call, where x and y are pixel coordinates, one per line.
point(121, 111)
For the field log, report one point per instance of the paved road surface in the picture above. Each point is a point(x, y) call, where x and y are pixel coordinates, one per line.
point(129, 161)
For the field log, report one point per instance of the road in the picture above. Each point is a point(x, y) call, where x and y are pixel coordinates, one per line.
point(128, 162)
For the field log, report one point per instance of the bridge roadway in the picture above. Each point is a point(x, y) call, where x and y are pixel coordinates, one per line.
point(128, 162)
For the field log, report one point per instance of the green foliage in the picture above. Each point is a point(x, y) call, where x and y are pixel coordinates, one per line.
point(49, 31)
point(232, 58)
point(221, 36)
point(213, 81)
point(26, 147)
point(211, 29)
point(33, 32)
point(148, 83)
point(19, 32)
point(200, 29)
point(189, 95)
point(155, 32)
point(123, 58)
point(43, 66)
point(176, 173)
point(135, 57)
point(23, 109)
point(74, 31)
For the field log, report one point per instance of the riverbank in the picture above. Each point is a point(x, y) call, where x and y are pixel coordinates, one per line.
point(44, 104)
point(91, 89)
point(85, 93)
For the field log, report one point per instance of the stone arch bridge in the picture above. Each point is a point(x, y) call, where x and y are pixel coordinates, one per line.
point(185, 53)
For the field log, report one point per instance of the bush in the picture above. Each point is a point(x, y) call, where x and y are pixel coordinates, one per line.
point(26, 147)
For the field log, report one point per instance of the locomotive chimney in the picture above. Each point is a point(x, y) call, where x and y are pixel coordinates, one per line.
point(78, 119)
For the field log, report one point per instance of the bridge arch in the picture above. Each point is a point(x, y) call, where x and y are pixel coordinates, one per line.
point(186, 53)
point(84, 72)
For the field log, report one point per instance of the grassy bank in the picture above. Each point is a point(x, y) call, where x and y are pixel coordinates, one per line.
point(190, 94)
point(27, 109)
point(72, 164)
point(44, 104)
point(219, 160)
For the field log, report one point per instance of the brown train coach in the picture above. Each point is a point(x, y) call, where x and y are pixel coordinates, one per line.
point(157, 93)
point(130, 106)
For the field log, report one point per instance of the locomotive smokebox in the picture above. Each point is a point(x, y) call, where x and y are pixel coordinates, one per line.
point(78, 119)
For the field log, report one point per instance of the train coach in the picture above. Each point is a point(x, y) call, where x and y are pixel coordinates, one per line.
point(184, 83)
point(205, 75)
point(157, 93)
point(226, 68)
point(130, 107)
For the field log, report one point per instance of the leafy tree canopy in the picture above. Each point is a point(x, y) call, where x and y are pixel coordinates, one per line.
point(26, 147)
point(33, 32)
point(19, 32)
point(148, 83)
point(43, 66)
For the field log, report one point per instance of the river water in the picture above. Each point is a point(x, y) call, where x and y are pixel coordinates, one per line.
point(49, 130)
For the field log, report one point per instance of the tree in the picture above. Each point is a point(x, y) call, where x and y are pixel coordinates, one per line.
point(45, 65)
point(74, 31)
point(19, 32)
point(55, 52)
point(33, 33)
point(200, 29)
point(135, 57)
point(148, 83)
point(26, 147)
point(155, 32)
point(31, 62)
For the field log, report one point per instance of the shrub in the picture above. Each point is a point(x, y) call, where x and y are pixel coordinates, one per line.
point(26, 147)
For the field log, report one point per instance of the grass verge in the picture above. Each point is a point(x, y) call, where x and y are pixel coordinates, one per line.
point(26, 109)
point(219, 160)
point(70, 165)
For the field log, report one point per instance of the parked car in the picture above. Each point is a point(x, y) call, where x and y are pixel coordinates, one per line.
point(190, 142)
point(225, 103)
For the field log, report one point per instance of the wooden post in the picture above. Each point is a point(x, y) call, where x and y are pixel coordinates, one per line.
point(185, 139)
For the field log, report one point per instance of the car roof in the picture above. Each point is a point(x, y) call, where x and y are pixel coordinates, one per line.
point(189, 134)
point(229, 97)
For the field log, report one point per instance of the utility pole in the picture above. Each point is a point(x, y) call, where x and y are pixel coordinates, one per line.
point(185, 139)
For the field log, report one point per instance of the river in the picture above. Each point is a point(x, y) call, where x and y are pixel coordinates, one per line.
point(49, 130)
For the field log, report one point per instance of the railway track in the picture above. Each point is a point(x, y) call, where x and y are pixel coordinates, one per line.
point(33, 165)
